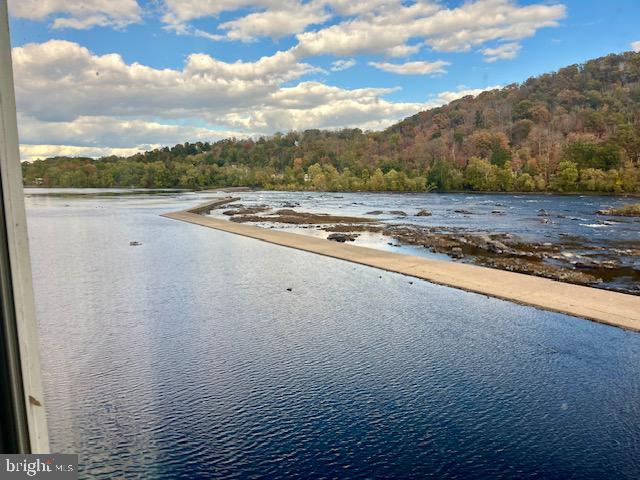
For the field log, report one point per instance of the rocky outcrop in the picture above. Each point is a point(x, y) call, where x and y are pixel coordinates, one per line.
point(629, 210)
point(342, 237)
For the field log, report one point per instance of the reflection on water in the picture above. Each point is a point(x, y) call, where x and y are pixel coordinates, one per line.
point(187, 357)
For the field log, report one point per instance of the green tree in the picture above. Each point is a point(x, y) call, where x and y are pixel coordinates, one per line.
point(566, 177)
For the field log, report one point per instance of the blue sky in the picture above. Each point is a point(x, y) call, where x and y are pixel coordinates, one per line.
point(95, 77)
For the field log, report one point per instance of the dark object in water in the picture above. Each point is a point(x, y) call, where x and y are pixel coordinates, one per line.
point(423, 213)
point(342, 237)
point(134, 244)
point(289, 289)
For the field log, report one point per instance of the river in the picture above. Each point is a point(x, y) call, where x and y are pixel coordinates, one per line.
point(200, 354)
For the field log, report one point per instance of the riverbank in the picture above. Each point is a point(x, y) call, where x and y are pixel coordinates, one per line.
point(598, 305)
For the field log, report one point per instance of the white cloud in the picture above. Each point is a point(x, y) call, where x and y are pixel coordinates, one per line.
point(79, 14)
point(316, 105)
point(412, 68)
point(179, 12)
point(355, 8)
point(277, 22)
point(60, 80)
point(389, 27)
point(389, 30)
point(506, 51)
point(29, 153)
point(353, 37)
point(340, 65)
point(635, 46)
point(92, 132)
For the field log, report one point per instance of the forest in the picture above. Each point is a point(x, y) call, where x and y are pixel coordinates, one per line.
point(575, 130)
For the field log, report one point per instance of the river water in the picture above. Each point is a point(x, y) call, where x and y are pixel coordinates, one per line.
point(188, 357)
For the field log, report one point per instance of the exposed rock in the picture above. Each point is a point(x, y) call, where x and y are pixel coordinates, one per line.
point(375, 212)
point(299, 218)
point(246, 210)
point(543, 213)
point(539, 269)
point(629, 210)
point(491, 245)
point(423, 213)
point(398, 212)
point(353, 228)
point(456, 252)
point(463, 211)
point(342, 237)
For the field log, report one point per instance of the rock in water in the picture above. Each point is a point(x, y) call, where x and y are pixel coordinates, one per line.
point(423, 213)
point(342, 237)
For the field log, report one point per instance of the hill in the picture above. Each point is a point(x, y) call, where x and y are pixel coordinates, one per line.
point(577, 129)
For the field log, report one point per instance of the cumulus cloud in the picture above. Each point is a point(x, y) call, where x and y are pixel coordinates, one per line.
point(412, 68)
point(389, 27)
point(635, 46)
point(275, 23)
point(390, 30)
point(60, 80)
point(29, 152)
point(340, 65)
point(506, 51)
point(92, 132)
point(179, 12)
point(316, 105)
point(79, 14)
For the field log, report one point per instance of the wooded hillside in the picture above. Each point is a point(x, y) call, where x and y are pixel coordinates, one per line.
point(574, 130)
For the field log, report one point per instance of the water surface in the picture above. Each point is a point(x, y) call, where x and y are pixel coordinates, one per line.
point(187, 357)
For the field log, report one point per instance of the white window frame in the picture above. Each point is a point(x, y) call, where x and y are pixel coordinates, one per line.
point(21, 346)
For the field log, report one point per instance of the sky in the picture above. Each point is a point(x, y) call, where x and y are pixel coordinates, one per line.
point(103, 77)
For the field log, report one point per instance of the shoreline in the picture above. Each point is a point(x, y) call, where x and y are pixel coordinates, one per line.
point(262, 189)
point(598, 305)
